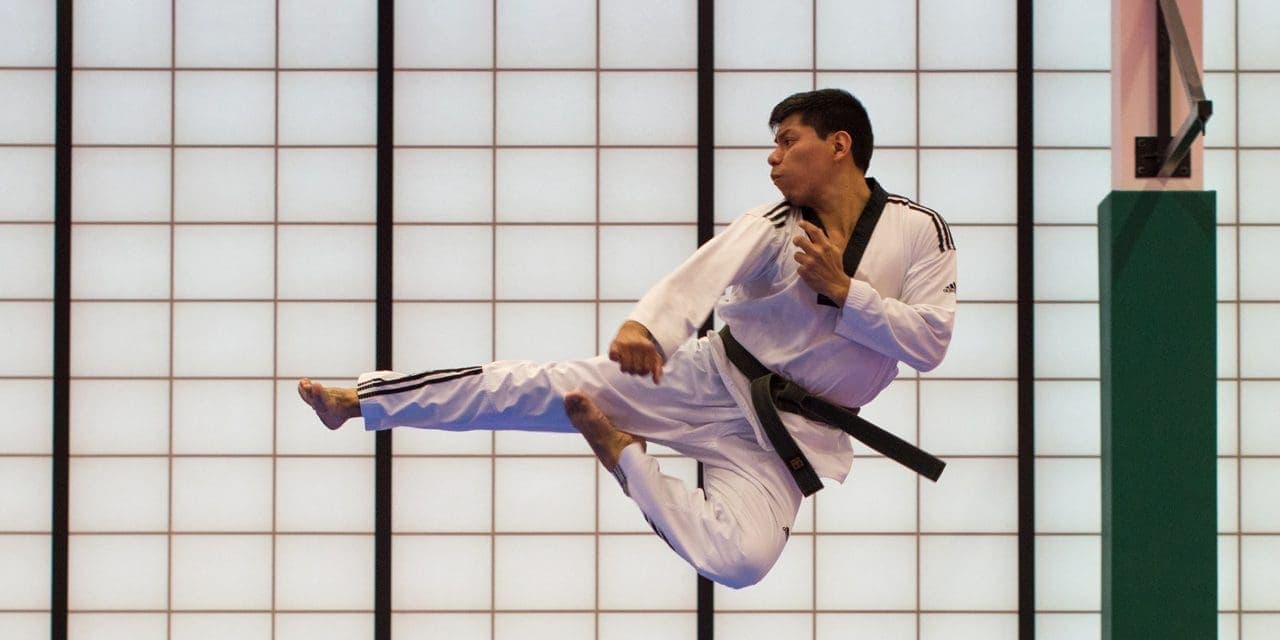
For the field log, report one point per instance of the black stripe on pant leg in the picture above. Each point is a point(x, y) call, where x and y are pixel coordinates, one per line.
point(382, 567)
point(365, 395)
point(706, 225)
point(60, 509)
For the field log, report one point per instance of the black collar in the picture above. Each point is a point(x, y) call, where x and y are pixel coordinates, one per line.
point(862, 230)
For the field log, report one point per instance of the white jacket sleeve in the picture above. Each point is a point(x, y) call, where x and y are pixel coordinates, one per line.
point(679, 303)
point(915, 329)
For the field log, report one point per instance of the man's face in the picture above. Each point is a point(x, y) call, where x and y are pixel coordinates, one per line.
point(801, 162)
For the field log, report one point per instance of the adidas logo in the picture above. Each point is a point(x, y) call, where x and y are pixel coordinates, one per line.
point(951, 288)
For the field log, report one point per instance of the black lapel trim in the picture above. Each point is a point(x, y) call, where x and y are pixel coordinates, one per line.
point(862, 231)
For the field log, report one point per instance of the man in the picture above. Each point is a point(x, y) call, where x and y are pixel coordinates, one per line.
point(825, 292)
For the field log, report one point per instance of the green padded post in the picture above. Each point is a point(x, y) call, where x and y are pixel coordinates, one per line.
point(1159, 445)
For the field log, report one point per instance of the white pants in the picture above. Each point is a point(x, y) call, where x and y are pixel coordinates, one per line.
point(732, 531)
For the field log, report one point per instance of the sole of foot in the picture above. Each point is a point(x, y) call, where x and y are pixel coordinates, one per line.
point(325, 402)
point(605, 439)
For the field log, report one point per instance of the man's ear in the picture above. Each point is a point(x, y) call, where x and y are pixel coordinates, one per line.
point(842, 144)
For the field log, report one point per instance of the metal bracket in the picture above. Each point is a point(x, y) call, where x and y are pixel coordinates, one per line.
point(1149, 155)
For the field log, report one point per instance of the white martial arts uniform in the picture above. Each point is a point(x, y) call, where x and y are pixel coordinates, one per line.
point(900, 308)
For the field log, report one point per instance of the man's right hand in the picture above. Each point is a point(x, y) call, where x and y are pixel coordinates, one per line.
point(636, 350)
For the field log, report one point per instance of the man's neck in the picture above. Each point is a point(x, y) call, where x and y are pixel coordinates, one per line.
point(843, 204)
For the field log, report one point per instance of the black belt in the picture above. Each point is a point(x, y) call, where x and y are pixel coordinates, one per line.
point(771, 392)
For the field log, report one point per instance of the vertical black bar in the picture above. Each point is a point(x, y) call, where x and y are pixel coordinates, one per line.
point(382, 355)
point(1164, 105)
point(61, 327)
point(1026, 329)
point(706, 225)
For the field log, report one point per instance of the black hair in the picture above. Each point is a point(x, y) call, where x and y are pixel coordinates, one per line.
point(828, 111)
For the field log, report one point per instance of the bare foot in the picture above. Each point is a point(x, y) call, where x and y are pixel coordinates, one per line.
point(333, 406)
point(606, 440)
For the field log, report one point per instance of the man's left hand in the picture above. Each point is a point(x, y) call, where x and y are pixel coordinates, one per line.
point(821, 263)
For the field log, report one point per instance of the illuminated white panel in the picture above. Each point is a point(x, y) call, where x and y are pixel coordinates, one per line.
point(974, 418)
point(970, 186)
point(454, 262)
point(28, 114)
point(324, 495)
point(29, 425)
point(118, 572)
point(25, 581)
point(308, 341)
point(866, 572)
point(1228, 573)
point(968, 626)
point(865, 626)
point(223, 185)
point(442, 336)
point(1066, 263)
point(890, 100)
point(641, 572)
point(896, 170)
point(221, 572)
point(96, 194)
point(566, 443)
point(968, 109)
point(119, 339)
point(1220, 176)
point(881, 497)
point(618, 513)
point(1257, 169)
point(26, 509)
point(744, 102)
point(1069, 35)
point(328, 33)
point(552, 331)
point(120, 262)
point(429, 108)
point(26, 184)
point(223, 261)
point(979, 495)
point(118, 626)
point(1073, 626)
point(742, 182)
point(444, 33)
point(1067, 496)
point(222, 494)
point(1228, 356)
point(987, 262)
point(312, 626)
point(642, 626)
point(443, 185)
point(1260, 355)
point(327, 107)
point(648, 108)
point(328, 185)
point(325, 572)
point(634, 258)
point(319, 262)
point(120, 107)
point(669, 192)
point(1259, 509)
point(1228, 495)
point(1258, 263)
point(546, 33)
point(231, 33)
point(758, 34)
point(629, 29)
point(204, 422)
point(546, 262)
point(222, 339)
point(1070, 183)
point(224, 107)
point(1067, 418)
point(206, 626)
point(1073, 109)
point(122, 33)
point(544, 572)
point(1221, 89)
point(298, 431)
point(866, 34)
point(546, 108)
point(119, 494)
point(895, 410)
point(26, 259)
point(611, 317)
point(27, 34)
point(1258, 93)
point(26, 626)
point(969, 572)
point(543, 626)
point(760, 626)
point(524, 484)
point(1257, 625)
point(1067, 340)
point(546, 185)
point(441, 626)
point(1259, 404)
point(442, 494)
point(30, 329)
point(967, 35)
point(1228, 418)
point(120, 416)
point(1258, 23)
point(987, 348)
point(1219, 34)
point(788, 585)
point(442, 572)
point(1068, 572)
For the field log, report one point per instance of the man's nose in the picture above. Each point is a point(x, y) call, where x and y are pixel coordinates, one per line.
point(774, 158)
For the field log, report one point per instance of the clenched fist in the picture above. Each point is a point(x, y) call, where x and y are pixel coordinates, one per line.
point(637, 351)
point(821, 263)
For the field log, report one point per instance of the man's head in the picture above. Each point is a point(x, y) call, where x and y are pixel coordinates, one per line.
point(817, 134)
